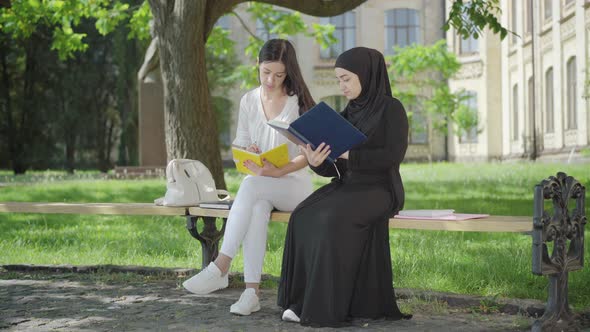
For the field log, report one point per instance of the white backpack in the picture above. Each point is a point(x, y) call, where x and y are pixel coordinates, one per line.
point(188, 183)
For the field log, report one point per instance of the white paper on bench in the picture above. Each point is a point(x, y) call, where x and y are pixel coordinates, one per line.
point(454, 216)
point(426, 213)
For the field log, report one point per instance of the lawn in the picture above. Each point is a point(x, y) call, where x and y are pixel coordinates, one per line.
point(490, 264)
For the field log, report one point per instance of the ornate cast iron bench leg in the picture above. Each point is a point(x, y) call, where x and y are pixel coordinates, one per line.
point(209, 237)
point(565, 224)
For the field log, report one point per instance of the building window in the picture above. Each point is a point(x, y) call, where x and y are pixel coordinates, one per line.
point(402, 28)
point(470, 136)
point(571, 94)
point(547, 9)
point(529, 17)
point(345, 32)
point(530, 94)
point(515, 112)
point(513, 21)
point(468, 45)
point(418, 127)
point(549, 124)
point(338, 102)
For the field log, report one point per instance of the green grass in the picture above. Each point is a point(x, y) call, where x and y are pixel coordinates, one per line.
point(489, 264)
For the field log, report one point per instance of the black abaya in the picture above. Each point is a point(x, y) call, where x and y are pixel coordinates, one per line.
point(336, 261)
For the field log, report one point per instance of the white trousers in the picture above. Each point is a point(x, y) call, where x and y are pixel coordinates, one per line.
point(250, 213)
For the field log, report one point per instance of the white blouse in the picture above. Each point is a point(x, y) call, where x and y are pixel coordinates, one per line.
point(252, 127)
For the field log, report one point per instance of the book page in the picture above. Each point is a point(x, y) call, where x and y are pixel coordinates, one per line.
point(278, 156)
point(283, 128)
point(241, 155)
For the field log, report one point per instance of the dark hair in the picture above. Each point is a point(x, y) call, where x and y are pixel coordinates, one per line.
point(283, 51)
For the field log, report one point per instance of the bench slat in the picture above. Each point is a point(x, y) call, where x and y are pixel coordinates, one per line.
point(489, 224)
point(93, 208)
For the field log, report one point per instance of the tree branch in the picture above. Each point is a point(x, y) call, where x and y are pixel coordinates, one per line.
point(320, 8)
point(214, 10)
point(233, 12)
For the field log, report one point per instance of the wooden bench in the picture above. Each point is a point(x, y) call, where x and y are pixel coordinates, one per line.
point(561, 227)
point(211, 234)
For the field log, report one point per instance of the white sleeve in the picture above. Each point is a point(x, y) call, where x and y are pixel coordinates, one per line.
point(292, 115)
point(242, 133)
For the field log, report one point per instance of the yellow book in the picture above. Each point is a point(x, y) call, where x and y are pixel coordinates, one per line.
point(278, 156)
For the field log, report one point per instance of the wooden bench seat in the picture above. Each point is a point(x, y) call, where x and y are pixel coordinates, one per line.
point(490, 224)
point(93, 208)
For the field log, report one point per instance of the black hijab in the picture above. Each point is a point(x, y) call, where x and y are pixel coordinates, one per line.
point(366, 111)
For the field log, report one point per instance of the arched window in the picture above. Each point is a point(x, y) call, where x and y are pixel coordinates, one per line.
point(513, 21)
point(547, 9)
point(515, 112)
point(572, 121)
point(549, 104)
point(470, 136)
point(529, 17)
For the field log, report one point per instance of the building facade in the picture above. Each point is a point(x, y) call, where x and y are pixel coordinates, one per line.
point(532, 87)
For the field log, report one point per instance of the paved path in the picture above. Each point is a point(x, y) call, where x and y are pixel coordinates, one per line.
point(36, 301)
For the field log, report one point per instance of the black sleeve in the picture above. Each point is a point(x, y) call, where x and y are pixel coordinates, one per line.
point(393, 149)
point(328, 169)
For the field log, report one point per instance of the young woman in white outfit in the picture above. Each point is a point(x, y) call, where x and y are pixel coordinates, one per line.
point(282, 95)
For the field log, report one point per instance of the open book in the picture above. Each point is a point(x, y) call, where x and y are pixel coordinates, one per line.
point(278, 156)
point(321, 124)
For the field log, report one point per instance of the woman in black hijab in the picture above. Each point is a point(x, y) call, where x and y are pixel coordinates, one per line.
point(336, 262)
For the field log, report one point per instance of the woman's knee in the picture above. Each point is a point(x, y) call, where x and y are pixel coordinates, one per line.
point(261, 211)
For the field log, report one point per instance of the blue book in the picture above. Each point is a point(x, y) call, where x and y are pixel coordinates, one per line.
point(321, 124)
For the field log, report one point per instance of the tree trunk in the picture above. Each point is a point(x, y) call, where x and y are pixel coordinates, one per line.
point(190, 126)
point(9, 130)
point(70, 141)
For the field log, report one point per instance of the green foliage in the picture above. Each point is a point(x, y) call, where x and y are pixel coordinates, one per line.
point(222, 107)
point(25, 16)
point(418, 75)
point(219, 43)
point(139, 22)
point(76, 108)
point(221, 63)
point(470, 17)
point(108, 18)
point(464, 116)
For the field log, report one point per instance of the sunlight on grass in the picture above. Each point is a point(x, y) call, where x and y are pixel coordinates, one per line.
point(490, 264)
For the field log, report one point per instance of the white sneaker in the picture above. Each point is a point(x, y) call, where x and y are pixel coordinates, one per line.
point(206, 281)
point(290, 316)
point(247, 304)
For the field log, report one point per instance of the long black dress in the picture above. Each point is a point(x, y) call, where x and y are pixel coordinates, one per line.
point(336, 261)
